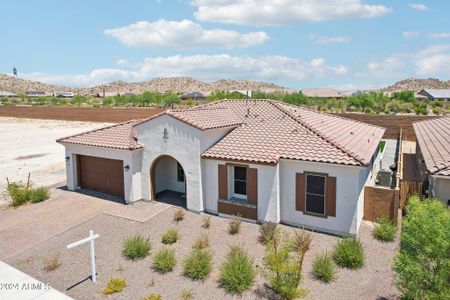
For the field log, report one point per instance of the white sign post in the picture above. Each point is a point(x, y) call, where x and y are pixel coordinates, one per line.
point(89, 239)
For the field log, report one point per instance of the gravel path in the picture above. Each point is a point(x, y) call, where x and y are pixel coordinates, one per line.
point(374, 281)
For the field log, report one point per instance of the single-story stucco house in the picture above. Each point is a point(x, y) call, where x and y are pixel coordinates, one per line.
point(433, 154)
point(262, 159)
point(435, 94)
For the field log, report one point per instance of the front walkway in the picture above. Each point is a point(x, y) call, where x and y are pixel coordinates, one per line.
point(17, 285)
point(24, 227)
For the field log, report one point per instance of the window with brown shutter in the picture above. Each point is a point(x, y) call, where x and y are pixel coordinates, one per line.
point(315, 194)
point(252, 186)
point(223, 182)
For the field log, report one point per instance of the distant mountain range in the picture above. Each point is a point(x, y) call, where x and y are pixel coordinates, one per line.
point(168, 84)
point(417, 84)
point(187, 84)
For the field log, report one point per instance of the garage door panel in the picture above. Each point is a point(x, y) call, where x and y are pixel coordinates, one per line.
point(101, 175)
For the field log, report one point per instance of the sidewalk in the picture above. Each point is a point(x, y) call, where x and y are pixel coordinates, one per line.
point(15, 284)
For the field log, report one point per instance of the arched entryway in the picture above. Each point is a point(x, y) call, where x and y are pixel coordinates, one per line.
point(168, 181)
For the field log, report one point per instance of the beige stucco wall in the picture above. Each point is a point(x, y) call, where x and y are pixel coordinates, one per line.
point(440, 187)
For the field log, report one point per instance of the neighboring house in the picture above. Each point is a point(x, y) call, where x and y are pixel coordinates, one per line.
point(433, 154)
point(7, 94)
point(261, 159)
point(36, 93)
point(321, 93)
point(196, 96)
point(435, 94)
point(63, 95)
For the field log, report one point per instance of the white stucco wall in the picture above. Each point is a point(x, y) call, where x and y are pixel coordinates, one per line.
point(132, 177)
point(350, 183)
point(166, 176)
point(185, 143)
point(440, 187)
point(268, 191)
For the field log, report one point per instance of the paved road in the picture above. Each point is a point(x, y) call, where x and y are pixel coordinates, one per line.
point(23, 227)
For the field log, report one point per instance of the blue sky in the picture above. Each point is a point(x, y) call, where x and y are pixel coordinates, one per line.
point(348, 44)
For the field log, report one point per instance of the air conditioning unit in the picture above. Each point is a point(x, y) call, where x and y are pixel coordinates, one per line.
point(384, 178)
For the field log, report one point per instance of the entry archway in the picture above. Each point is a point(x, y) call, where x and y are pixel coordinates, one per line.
point(168, 181)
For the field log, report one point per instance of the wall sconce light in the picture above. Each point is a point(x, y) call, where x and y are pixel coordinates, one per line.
point(126, 168)
point(165, 134)
point(67, 158)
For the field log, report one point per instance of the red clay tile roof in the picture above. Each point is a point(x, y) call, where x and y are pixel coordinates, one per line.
point(272, 130)
point(265, 131)
point(203, 117)
point(433, 137)
point(117, 136)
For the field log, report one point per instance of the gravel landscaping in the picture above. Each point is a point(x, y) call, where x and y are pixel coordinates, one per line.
point(373, 281)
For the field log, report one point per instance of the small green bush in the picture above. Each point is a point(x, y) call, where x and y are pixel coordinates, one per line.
point(237, 272)
point(267, 231)
point(323, 267)
point(39, 194)
point(152, 297)
point(19, 193)
point(136, 247)
point(349, 253)
point(179, 215)
point(234, 226)
point(187, 294)
point(115, 285)
point(197, 264)
point(385, 230)
point(164, 260)
point(170, 236)
point(202, 242)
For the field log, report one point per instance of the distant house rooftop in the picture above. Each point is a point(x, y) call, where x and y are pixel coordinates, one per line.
point(321, 93)
point(442, 94)
point(193, 95)
point(7, 94)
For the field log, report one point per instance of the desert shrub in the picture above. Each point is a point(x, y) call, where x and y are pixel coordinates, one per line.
point(20, 193)
point(234, 226)
point(202, 242)
point(187, 294)
point(51, 262)
point(39, 194)
point(164, 260)
point(385, 230)
point(179, 215)
point(197, 264)
point(206, 221)
point(422, 265)
point(170, 236)
point(323, 267)
point(349, 253)
point(237, 272)
point(282, 269)
point(152, 297)
point(136, 247)
point(267, 231)
point(115, 285)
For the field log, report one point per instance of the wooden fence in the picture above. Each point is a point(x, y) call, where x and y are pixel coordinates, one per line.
point(407, 189)
point(381, 202)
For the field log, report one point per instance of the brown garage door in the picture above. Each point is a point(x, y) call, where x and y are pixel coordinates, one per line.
point(101, 175)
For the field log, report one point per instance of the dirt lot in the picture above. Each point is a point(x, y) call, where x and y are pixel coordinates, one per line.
point(29, 146)
point(391, 123)
point(89, 114)
point(373, 281)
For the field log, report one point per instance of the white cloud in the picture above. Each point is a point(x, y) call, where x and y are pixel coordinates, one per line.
point(439, 35)
point(411, 34)
point(390, 67)
point(433, 61)
point(182, 35)
point(206, 67)
point(323, 40)
point(418, 6)
point(269, 12)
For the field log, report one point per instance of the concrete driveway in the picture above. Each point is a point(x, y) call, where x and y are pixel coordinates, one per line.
point(24, 227)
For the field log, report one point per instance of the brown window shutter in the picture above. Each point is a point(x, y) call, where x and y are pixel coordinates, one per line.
point(223, 182)
point(252, 186)
point(331, 196)
point(300, 192)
